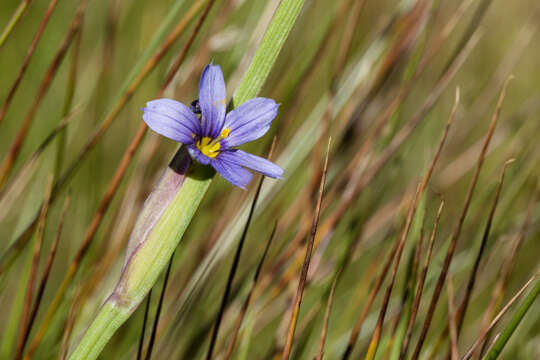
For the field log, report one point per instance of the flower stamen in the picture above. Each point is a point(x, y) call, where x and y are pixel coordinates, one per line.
point(208, 146)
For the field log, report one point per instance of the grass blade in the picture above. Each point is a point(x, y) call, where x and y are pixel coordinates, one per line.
point(29, 53)
point(245, 305)
point(158, 311)
point(143, 329)
point(232, 272)
point(303, 276)
point(327, 318)
point(457, 231)
point(515, 320)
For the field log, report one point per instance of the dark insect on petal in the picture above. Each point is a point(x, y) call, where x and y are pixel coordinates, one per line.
point(195, 107)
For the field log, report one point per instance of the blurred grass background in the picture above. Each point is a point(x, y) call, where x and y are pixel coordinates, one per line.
point(360, 55)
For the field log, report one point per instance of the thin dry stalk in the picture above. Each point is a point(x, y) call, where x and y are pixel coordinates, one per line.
point(26, 312)
point(233, 270)
point(69, 323)
point(143, 329)
point(17, 185)
point(462, 309)
point(378, 329)
point(375, 337)
point(245, 305)
point(454, 352)
point(504, 274)
point(471, 28)
point(158, 311)
point(68, 101)
point(29, 53)
point(118, 175)
point(412, 276)
point(371, 297)
point(470, 285)
point(347, 37)
point(12, 155)
point(420, 288)
point(107, 58)
point(484, 332)
point(303, 276)
point(457, 231)
point(327, 318)
point(47, 270)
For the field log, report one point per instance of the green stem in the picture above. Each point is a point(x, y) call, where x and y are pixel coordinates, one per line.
point(268, 50)
point(13, 21)
point(109, 319)
point(146, 262)
point(514, 322)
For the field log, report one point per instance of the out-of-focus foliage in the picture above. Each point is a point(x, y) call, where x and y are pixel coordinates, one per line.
point(344, 65)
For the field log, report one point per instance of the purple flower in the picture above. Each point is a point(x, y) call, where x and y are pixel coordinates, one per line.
point(212, 136)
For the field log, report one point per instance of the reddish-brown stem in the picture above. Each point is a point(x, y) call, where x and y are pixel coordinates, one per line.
point(12, 155)
point(26, 314)
point(303, 276)
point(324, 330)
point(457, 231)
point(420, 287)
point(27, 58)
point(245, 305)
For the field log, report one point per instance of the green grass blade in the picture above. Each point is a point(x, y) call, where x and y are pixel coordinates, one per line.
point(268, 50)
point(503, 338)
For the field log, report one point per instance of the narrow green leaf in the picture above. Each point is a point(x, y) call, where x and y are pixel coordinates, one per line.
point(503, 338)
point(268, 50)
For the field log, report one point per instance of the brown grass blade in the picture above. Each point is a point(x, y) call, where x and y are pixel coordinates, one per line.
point(420, 288)
point(69, 324)
point(143, 329)
point(371, 298)
point(245, 305)
point(504, 275)
point(17, 185)
point(473, 25)
point(29, 53)
point(484, 332)
point(232, 272)
point(11, 157)
point(375, 337)
point(327, 318)
point(26, 314)
point(158, 311)
point(454, 352)
point(303, 276)
point(402, 238)
point(47, 270)
point(462, 310)
point(68, 101)
point(378, 330)
point(457, 231)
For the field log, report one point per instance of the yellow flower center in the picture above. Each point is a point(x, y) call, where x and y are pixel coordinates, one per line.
point(210, 147)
